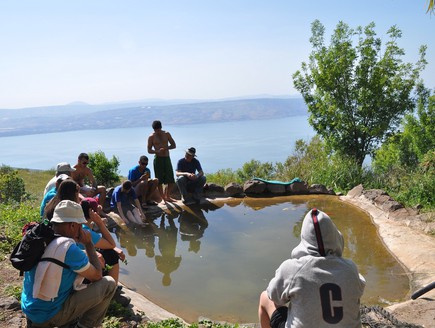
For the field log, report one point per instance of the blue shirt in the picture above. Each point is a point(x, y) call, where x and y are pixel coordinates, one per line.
point(39, 311)
point(95, 236)
point(47, 197)
point(134, 173)
point(191, 167)
point(122, 197)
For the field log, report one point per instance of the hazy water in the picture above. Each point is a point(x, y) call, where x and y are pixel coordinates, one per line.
point(214, 262)
point(219, 145)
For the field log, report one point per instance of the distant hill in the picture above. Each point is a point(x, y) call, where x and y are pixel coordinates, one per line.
point(81, 116)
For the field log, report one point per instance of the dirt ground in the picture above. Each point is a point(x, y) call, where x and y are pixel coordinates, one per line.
point(414, 248)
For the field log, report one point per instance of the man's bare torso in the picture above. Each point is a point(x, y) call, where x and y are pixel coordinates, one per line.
point(80, 174)
point(160, 140)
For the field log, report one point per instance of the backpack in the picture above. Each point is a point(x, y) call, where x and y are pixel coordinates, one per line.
point(28, 252)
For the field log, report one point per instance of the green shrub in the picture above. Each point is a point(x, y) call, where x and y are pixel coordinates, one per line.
point(256, 169)
point(11, 186)
point(105, 171)
point(13, 218)
point(223, 177)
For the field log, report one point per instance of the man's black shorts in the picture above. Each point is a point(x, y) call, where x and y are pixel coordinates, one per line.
point(279, 317)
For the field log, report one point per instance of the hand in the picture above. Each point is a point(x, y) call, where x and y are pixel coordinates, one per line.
point(120, 253)
point(101, 259)
point(95, 217)
point(84, 237)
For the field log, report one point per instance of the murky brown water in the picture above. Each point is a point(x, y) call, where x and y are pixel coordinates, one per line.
point(215, 261)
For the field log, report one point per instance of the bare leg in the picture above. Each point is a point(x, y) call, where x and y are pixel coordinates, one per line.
point(102, 191)
point(162, 195)
point(168, 192)
point(265, 310)
point(114, 272)
point(131, 217)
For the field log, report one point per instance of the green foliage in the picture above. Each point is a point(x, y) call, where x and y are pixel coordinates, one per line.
point(35, 182)
point(168, 323)
point(356, 95)
point(115, 314)
point(13, 218)
point(223, 177)
point(256, 169)
point(11, 186)
point(313, 162)
point(105, 171)
point(14, 291)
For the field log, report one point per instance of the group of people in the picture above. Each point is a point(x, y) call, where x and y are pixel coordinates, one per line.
point(316, 287)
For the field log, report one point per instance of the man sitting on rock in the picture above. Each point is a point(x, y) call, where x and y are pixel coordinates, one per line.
point(61, 168)
point(188, 179)
point(143, 184)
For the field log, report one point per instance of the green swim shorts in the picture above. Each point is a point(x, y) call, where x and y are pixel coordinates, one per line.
point(163, 170)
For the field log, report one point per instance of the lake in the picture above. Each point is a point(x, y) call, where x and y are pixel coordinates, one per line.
point(218, 145)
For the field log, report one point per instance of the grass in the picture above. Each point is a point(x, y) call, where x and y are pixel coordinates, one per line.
point(35, 181)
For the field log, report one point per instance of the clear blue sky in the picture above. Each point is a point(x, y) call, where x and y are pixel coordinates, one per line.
point(56, 52)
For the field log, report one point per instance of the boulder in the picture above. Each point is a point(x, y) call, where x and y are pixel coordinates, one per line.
point(214, 188)
point(356, 191)
point(233, 189)
point(276, 189)
point(254, 187)
point(297, 188)
point(318, 189)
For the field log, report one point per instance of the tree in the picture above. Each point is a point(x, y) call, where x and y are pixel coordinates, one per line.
point(430, 7)
point(105, 171)
point(357, 95)
point(410, 146)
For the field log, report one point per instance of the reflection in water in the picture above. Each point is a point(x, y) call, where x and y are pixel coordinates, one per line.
point(167, 262)
point(192, 226)
point(214, 261)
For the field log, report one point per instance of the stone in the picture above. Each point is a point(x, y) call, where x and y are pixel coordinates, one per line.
point(356, 191)
point(254, 187)
point(233, 189)
point(297, 188)
point(318, 189)
point(214, 188)
point(276, 189)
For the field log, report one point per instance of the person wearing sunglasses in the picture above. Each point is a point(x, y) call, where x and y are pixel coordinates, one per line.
point(83, 174)
point(143, 184)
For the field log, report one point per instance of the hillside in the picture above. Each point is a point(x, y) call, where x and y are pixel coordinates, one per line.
point(78, 116)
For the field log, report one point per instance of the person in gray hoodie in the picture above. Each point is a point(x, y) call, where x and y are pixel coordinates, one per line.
point(316, 287)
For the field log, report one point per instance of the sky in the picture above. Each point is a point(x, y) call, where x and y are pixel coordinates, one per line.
point(100, 51)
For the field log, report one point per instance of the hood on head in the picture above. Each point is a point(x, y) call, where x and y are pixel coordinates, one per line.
point(311, 241)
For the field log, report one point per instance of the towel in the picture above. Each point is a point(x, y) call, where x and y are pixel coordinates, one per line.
point(48, 275)
point(278, 182)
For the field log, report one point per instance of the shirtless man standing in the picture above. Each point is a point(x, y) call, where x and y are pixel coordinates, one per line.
point(82, 172)
point(159, 143)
